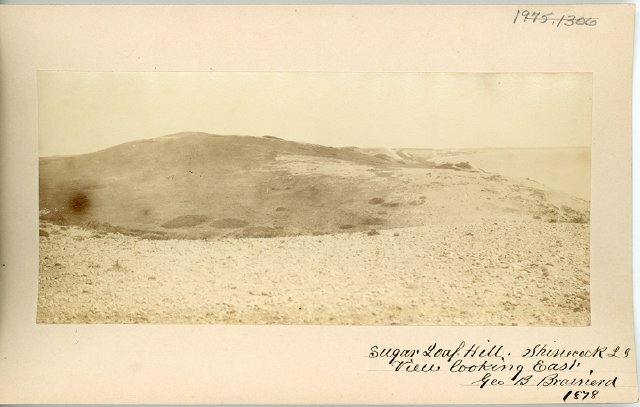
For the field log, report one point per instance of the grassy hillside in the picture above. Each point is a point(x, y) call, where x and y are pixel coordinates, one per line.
point(196, 185)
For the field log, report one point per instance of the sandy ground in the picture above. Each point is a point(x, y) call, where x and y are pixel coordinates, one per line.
point(491, 273)
point(562, 169)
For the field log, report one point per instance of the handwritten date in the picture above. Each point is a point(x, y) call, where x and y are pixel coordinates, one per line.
point(565, 20)
point(580, 395)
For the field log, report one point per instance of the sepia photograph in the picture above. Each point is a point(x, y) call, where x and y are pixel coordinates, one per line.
point(314, 198)
point(317, 204)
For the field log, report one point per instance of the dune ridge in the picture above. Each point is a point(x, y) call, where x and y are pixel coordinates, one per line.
point(281, 187)
point(199, 228)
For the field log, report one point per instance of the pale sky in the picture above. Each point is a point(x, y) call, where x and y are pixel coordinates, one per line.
point(81, 112)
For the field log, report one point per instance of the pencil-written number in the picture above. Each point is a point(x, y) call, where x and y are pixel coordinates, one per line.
point(565, 20)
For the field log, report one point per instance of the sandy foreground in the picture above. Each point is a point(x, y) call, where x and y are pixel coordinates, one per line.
point(489, 273)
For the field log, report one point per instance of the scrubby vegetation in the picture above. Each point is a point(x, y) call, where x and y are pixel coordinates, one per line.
point(229, 223)
point(262, 231)
point(185, 221)
point(232, 187)
point(372, 221)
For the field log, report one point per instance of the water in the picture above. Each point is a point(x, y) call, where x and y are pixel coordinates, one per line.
point(563, 169)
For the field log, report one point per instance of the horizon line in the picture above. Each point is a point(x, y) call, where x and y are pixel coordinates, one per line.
point(267, 136)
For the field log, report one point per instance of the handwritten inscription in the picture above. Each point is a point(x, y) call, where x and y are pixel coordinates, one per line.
point(488, 365)
point(561, 20)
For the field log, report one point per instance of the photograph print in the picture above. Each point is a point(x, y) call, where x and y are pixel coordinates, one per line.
point(309, 198)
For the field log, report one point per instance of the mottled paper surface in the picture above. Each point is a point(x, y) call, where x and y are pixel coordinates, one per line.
point(318, 362)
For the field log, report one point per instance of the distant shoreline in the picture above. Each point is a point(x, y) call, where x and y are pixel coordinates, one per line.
point(319, 143)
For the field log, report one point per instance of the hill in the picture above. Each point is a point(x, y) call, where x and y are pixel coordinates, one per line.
point(199, 186)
